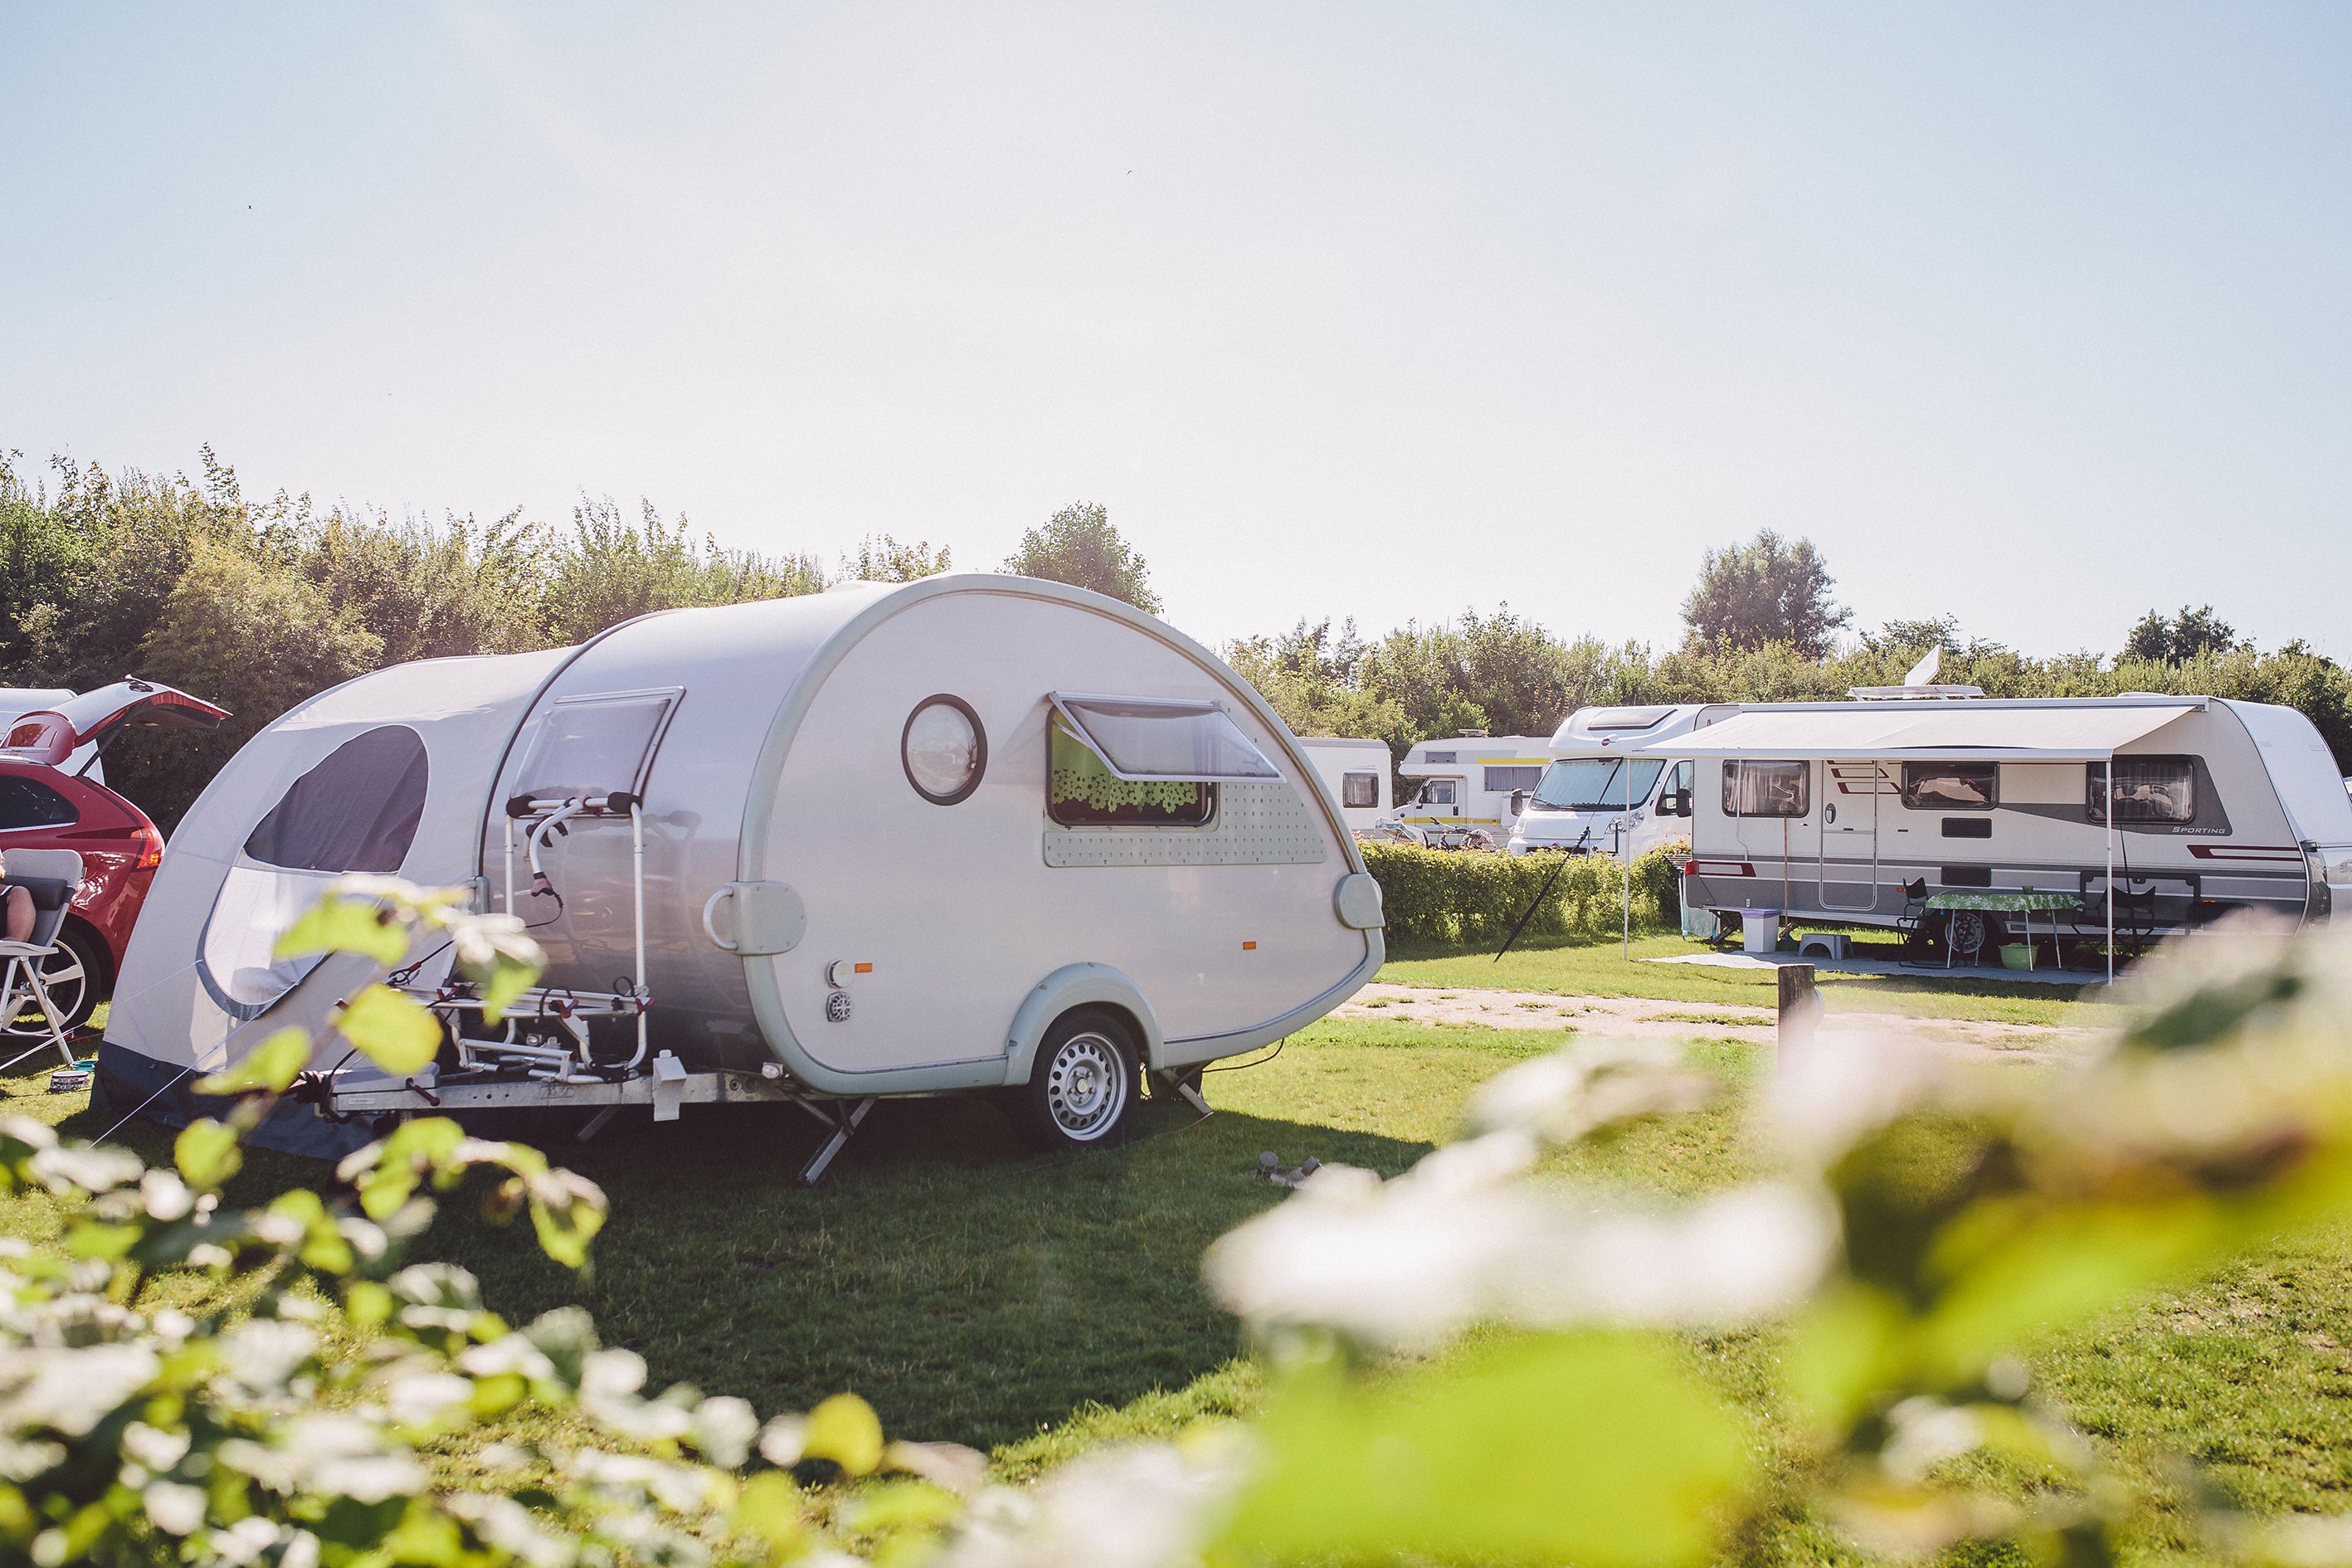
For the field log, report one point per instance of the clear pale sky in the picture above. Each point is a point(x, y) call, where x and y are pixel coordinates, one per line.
point(2035, 315)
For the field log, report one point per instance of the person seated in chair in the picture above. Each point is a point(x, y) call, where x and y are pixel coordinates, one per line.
point(16, 908)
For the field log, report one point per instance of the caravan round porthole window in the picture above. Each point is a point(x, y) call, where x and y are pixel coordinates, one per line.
point(944, 749)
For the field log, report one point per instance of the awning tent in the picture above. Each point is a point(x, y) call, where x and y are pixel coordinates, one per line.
point(1866, 732)
point(390, 774)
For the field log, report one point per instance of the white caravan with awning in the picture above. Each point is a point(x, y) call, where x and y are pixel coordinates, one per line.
point(1596, 798)
point(2156, 812)
point(1105, 856)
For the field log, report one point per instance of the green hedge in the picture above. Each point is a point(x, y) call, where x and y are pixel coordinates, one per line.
point(1473, 898)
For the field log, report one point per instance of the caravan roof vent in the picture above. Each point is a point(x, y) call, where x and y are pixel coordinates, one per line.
point(1625, 718)
point(1902, 693)
point(1472, 735)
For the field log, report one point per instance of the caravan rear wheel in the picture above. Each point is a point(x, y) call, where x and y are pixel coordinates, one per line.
point(1082, 1089)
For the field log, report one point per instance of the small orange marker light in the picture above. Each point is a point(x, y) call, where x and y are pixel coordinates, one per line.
point(865, 968)
point(1249, 947)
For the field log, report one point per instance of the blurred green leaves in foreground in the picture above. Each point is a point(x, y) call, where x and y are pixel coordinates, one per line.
point(1468, 1362)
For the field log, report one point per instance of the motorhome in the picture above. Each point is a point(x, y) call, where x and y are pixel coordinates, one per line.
point(1472, 781)
point(1595, 797)
point(1106, 856)
point(1356, 772)
point(2154, 812)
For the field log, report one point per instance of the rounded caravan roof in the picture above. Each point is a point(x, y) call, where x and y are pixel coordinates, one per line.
point(1615, 728)
point(756, 667)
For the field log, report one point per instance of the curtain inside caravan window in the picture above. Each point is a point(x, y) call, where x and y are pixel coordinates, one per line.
point(1767, 789)
point(356, 810)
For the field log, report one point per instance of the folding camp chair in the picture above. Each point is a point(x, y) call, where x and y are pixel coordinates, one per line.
point(1914, 911)
point(52, 876)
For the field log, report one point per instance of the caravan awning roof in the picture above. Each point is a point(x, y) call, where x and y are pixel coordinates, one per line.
point(1864, 732)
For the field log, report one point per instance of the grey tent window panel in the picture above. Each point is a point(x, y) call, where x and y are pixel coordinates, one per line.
point(28, 803)
point(356, 810)
point(1358, 791)
point(1148, 739)
point(596, 746)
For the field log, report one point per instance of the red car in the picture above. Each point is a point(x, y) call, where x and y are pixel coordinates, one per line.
point(49, 801)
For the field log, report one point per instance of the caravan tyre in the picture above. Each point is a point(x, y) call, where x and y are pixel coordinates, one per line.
point(1083, 1085)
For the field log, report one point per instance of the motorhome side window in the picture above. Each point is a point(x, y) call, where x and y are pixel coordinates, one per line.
point(2147, 789)
point(1436, 792)
point(1357, 790)
point(1143, 762)
point(1767, 789)
point(1501, 779)
point(1946, 786)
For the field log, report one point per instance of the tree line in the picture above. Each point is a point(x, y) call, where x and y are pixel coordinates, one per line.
point(257, 604)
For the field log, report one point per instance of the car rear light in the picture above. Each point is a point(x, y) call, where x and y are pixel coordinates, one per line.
point(150, 847)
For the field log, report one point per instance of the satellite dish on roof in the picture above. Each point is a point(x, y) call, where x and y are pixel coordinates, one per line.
point(1924, 672)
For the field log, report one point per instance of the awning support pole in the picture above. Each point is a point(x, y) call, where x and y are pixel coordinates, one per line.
point(2110, 815)
point(1625, 848)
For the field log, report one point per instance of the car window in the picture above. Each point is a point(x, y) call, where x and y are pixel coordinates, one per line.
point(28, 803)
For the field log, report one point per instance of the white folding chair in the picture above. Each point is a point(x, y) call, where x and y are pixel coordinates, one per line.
point(53, 877)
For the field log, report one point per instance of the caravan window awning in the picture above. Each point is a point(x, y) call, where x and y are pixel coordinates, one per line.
point(1148, 739)
point(1865, 732)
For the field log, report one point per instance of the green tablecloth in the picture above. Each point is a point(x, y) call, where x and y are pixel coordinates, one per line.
point(2017, 903)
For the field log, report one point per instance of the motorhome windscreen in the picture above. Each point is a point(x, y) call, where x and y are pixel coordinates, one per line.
point(356, 810)
point(1148, 739)
point(1080, 791)
point(1594, 784)
point(1944, 786)
point(595, 745)
point(2147, 789)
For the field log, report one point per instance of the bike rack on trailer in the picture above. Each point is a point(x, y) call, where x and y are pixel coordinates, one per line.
point(545, 1057)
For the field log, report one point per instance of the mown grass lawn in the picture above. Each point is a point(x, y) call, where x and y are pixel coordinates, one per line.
point(1037, 1306)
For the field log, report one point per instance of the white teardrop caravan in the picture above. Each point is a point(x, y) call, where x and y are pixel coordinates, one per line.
point(974, 832)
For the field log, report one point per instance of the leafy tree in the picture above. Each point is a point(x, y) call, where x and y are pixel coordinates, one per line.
point(1766, 590)
point(1500, 672)
point(1309, 674)
point(2187, 635)
point(253, 637)
point(610, 570)
point(1077, 546)
point(882, 558)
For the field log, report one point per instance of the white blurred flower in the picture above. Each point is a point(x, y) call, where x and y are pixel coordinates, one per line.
point(722, 1430)
point(1925, 1432)
point(1138, 1507)
point(1841, 1087)
point(153, 1446)
point(1588, 1086)
point(1458, 1240)
point(260, 1353)
point(70, 1391)
point(421, 1398)
point(166, 1196)
point(89, 1167)
point(172, 1507)
point(511, 1528)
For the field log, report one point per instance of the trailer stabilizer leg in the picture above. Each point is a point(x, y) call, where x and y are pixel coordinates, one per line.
point(1184, 1086)
point(845, 1125)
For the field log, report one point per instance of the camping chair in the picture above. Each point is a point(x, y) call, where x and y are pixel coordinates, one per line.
point(53, 877)
point(1914, 911)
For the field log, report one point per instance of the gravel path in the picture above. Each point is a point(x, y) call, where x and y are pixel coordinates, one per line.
point(1633, 1016)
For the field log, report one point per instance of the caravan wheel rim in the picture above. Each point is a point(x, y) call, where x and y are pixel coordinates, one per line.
point(1085, 1086)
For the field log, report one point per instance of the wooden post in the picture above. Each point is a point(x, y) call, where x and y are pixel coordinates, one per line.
point(1801, 1010)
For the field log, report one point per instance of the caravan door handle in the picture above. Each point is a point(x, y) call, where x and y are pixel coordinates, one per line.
point(710, 908)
